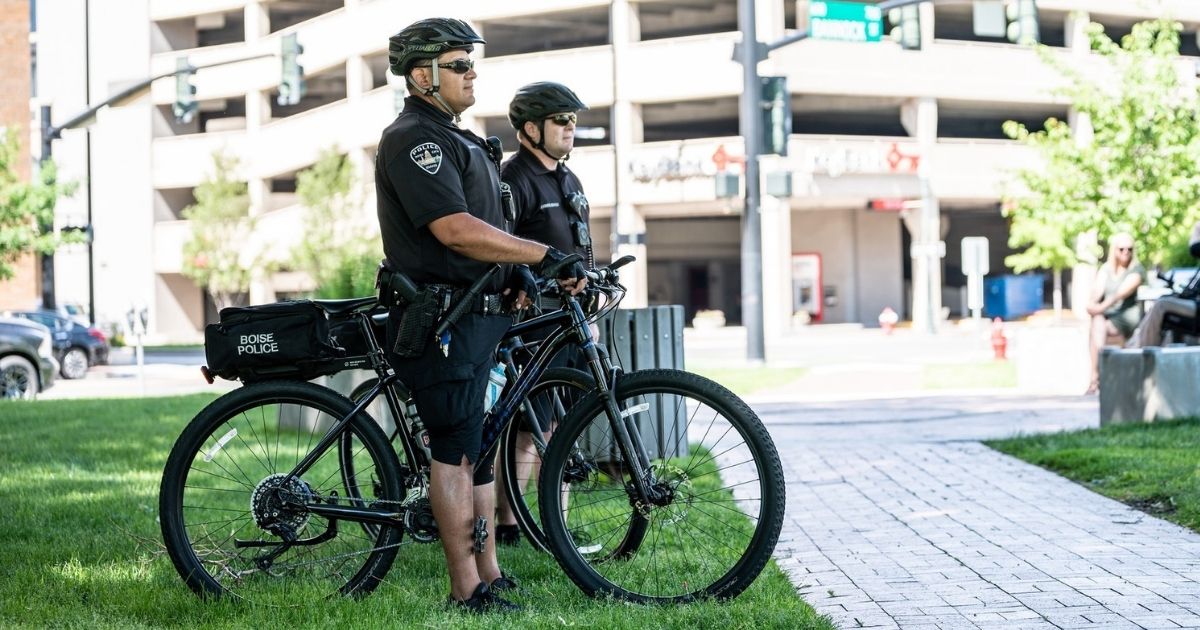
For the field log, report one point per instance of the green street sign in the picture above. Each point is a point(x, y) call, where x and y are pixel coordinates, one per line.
point(844, 21)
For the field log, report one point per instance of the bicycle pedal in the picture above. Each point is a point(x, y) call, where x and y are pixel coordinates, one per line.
point(481, 534)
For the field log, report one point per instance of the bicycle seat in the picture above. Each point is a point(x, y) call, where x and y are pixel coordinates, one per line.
point(343, 307)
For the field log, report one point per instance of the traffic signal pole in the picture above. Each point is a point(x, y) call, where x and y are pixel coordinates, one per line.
point(52, 132)
point(749, 52)
point(750, 109)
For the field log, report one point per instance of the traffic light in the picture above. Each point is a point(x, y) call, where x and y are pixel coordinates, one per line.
point(185, 93)
point(906, 26)
point(777, 115)
point(1022, 22)
point(291, 82)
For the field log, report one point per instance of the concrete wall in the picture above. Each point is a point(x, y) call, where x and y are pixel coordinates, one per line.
point(880, 273)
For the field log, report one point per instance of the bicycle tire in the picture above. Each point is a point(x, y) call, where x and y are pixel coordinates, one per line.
point(225, 484)
point(554, 393)
point(715, 465)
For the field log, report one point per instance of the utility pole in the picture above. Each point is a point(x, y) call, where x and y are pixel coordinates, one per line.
point(749, 53)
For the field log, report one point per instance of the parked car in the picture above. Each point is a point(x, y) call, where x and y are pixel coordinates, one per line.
point(27, 363)
point(76, 346)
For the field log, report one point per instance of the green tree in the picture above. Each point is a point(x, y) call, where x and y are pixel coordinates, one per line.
point(1140, 169)
point(26, 208)
point(336, 250)
point(217, 256)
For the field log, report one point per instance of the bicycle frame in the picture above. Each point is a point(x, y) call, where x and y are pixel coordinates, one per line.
point(572, 328)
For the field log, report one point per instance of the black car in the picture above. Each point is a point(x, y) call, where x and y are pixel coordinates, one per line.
point(76, 346)
point(27, 364)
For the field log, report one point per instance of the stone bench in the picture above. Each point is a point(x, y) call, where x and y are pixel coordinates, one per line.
point(1148, 384)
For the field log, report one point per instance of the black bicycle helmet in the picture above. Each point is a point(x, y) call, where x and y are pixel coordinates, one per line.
point(426, 39)
point(536, 101)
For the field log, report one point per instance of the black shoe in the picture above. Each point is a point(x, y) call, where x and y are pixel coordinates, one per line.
point(508, 535)
point(484, 601)
point(504, 583)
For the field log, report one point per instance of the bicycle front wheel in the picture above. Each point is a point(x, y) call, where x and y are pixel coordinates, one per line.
point(235, 523)
point(716, 492)
point(548, 402)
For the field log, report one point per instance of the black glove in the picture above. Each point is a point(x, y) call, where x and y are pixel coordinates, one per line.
point(553, 267)
point(520, 280)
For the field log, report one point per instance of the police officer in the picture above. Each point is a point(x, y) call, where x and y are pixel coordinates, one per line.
point(441, 219)
point(550, 208)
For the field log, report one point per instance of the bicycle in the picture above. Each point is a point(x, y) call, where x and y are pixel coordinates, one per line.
point(631, 494)
point(544, 406)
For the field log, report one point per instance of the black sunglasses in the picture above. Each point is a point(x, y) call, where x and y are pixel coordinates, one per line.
point(562, 120)
point(458, 66)
point(1124, 249)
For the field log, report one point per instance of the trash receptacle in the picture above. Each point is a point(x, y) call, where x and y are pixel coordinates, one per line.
point(642, 339)
point(1009, 297)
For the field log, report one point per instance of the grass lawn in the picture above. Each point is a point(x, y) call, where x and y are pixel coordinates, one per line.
point(1152, 467)
point(80, 545)
point(969, 375)
point(743, 381)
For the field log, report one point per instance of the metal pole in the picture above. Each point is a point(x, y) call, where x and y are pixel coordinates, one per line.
point(47, 259)
point(750, 110)
point(91, 232)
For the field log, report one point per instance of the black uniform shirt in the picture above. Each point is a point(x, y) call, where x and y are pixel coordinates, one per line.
point(540, 196)
point(427, 168)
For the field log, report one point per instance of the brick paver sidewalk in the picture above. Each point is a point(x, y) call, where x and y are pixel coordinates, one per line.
point(898, 518)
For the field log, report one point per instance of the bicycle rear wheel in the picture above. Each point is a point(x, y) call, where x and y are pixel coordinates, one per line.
point(555, 393)
point(235, 524)
point(716, 475)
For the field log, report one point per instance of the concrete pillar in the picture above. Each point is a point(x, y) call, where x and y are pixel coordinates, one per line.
point(926, 12)
point(629, 227)
point(358, 78)
point(776, 270)
point(258, 21)
point(1075, 34)
point(919, 117)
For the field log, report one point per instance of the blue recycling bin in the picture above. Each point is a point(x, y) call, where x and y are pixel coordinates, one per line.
point(1009, 297)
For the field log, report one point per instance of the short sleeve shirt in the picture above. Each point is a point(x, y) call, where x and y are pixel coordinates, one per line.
point(540, 196)
point(427, 168)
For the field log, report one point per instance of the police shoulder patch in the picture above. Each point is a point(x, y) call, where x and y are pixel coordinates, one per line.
point(428, 156)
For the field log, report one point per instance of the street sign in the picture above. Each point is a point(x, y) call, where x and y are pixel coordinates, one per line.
point(975, 255)
point(975, 267)
point(844, 21)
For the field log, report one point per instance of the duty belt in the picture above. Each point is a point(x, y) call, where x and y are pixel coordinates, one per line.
point(482, 304)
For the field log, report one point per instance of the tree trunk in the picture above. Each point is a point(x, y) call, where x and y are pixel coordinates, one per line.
point(1057, 295)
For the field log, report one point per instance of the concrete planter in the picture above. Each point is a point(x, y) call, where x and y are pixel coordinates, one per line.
point(1148, 384)
point(344, 383)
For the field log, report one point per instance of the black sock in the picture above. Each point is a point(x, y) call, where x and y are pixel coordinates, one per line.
point(508, 534)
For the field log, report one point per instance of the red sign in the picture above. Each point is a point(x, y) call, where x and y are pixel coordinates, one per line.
point(889, 204)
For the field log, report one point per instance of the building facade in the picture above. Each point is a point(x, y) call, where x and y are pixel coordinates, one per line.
point(869, 120)
point(17, 39)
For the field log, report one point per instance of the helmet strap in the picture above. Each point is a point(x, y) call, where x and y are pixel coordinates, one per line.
point(540, 145)
point(432, 92)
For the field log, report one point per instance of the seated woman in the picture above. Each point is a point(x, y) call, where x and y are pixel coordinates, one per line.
point(1114, 308)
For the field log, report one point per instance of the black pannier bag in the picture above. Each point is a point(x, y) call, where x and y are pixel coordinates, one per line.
point(282, 340)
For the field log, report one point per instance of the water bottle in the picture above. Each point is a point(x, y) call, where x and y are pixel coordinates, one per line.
point(495, 385)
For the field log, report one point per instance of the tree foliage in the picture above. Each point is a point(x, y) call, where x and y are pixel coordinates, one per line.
point(336, 250)
point(1139, 171)
point(27, 208)
point(220, 256)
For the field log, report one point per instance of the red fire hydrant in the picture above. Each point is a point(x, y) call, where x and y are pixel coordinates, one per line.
point(999, 341)
point(888, 319)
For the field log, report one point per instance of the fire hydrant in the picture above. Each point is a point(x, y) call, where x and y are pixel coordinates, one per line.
point(888, 319)
point(999, 341)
